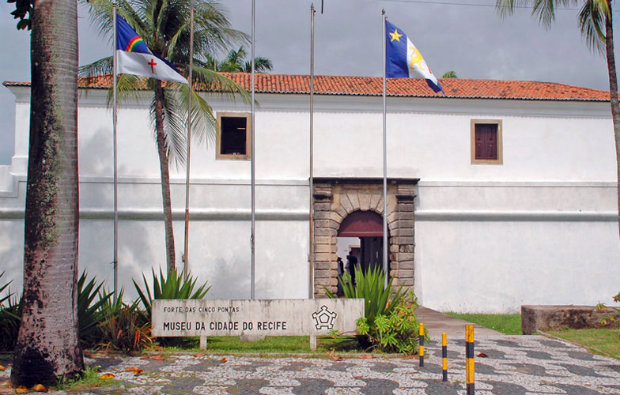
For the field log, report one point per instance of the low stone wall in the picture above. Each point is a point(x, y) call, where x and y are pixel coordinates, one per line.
point(536, 318)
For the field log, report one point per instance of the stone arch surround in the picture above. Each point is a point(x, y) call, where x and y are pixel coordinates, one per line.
point(336, 198)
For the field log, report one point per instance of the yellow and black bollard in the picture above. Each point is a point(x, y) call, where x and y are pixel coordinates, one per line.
point(444, 356)
point(469, 355)
point(421, 342)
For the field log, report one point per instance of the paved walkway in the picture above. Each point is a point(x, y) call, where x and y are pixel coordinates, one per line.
point(435, 323)
point(505, 365)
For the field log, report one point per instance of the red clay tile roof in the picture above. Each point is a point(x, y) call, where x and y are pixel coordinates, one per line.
point(403, 87)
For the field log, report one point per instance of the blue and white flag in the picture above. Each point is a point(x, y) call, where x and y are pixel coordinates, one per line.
point(134, 57)
point(402, 58)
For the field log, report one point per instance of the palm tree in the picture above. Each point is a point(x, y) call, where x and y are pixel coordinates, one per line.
point(449, 74)
point(48, 345)
point(235, 62)
point(165, 27)
point(595, 23)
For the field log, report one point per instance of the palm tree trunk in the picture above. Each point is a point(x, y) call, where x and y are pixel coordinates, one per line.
point(48, 343)
point(613, 91)
point(164, 169)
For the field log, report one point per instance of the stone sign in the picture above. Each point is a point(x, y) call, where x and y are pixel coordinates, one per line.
point(277, 317)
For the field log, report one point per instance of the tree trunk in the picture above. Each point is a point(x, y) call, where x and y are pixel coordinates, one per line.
point(48, 343)
point(162, 150)
point(613, 91)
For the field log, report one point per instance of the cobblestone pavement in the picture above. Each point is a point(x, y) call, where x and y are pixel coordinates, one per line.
point(504, 365)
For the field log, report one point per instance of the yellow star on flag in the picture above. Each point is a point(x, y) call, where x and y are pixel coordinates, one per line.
point(396, 35)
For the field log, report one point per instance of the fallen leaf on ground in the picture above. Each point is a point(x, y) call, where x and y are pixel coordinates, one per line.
point(39, 388)
point(482, 355)
point(223, 360)
point(365, 357)
point(199, 355)
point(333, 356)
point(21, 389)
point(107, 376)
point(157, 357)
point(147, 357)
point(136, 371)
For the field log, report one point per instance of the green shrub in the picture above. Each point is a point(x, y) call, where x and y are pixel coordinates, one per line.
point(394, 331)
point(123, 326)
point(389, 323)
point(171, 287)
point(607, 320)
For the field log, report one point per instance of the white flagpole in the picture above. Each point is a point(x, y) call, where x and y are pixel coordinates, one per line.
point(311, 181)
point(253, 170)
point(114, 137)
point(189, 142)
point(385, 229)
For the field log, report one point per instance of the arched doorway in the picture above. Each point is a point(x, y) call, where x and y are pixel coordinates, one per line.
point(367, 227)
point(336, 200)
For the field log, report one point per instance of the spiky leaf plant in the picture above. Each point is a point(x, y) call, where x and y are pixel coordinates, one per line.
point(90, 309)
point(10, 313)
point(172, 286)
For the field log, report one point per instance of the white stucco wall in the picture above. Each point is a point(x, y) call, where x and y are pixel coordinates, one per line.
point(537, 229)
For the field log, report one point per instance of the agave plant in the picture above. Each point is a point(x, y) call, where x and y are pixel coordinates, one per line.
point(10, 313)
point(90, 309)
point(172, 286)
point(2, 288)
point(370, 286)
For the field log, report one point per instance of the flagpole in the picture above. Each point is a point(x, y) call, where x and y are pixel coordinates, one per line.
point(385, 229)
point(253, 167)
point(311, 181)
point(189, 142)
point(115, 150)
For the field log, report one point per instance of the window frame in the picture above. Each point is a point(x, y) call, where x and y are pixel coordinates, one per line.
point(500, 155)
point(248, 136)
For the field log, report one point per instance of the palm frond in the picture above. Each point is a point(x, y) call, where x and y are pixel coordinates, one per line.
point(100, 14)
point(213, 81)
point(177, 37)
point(592, 23)
point(213, 32)
point(96, 69)
point(202, 118)
point(261, 65)
point(130, 88)
point(543, 9)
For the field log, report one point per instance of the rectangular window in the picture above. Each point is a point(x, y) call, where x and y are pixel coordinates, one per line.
point(233, 136)
point(486, 142)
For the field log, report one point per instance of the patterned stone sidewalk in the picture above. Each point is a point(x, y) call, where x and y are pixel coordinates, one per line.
point(513, 365)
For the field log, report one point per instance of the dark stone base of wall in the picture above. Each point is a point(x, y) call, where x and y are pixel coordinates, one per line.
point(536, 318)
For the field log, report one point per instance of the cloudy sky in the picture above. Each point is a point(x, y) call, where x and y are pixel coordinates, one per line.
point(467, 36)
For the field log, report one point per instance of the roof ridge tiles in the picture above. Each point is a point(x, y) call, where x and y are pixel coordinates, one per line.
point(455, 88)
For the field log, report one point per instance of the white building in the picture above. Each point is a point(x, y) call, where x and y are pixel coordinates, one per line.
point(526, 216)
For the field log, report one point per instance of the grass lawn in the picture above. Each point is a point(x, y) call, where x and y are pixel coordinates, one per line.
point(599, 341)
point(271, 344)
point(509, 324)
